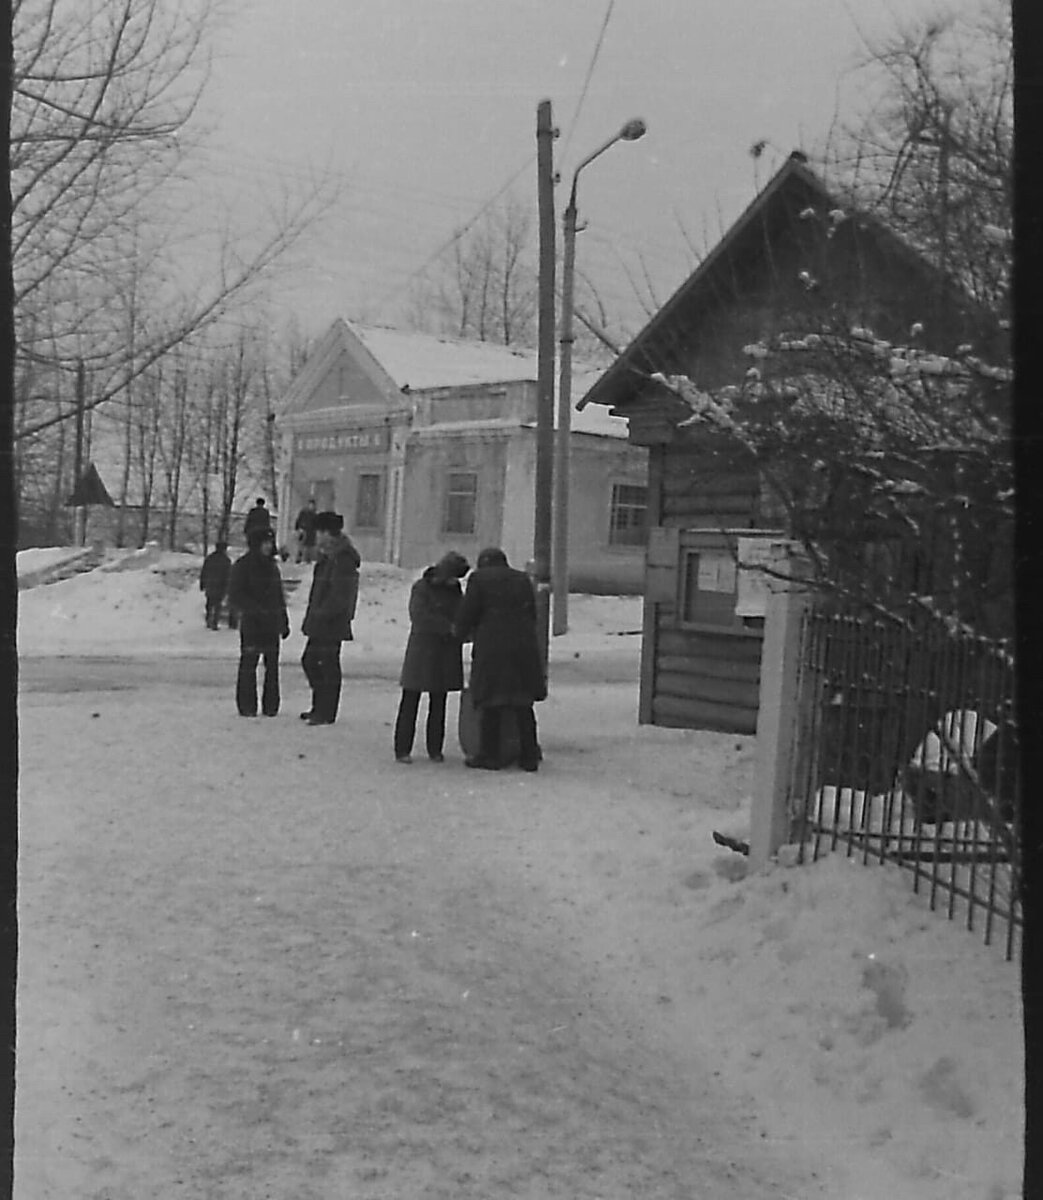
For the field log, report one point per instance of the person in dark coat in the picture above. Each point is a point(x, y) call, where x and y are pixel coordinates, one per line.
point(257, 518)
point(304, 527)
point(255, 592)
point(499, 612)
point(213, 582)
point(433, 661)
point(327, 623)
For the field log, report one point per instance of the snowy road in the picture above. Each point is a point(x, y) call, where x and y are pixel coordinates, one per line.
point(301, 970)
point(77, 673)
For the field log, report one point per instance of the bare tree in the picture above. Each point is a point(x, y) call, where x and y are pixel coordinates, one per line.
point(934, 154)
point(484, 287)
point(9, 749)
point(101, 147)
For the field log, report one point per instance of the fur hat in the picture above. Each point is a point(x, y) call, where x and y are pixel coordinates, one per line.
point(329, 522)
point(256, 538)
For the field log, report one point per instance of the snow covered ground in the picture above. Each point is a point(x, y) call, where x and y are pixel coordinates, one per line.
point(867, 1028)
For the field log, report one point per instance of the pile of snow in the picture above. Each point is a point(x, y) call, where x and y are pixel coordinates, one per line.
point(39, 558)
point(841, 997)
point(148, 601)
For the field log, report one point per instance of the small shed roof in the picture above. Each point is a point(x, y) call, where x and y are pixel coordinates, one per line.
point(89, 489)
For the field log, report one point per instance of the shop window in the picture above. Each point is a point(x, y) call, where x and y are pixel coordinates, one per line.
point(628, 521)
point(461, 502)
point(367, 505)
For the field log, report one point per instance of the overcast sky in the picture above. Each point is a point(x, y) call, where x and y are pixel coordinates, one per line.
point(426, 108)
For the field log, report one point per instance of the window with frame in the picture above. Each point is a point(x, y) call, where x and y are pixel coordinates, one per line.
point(628, 519)
point(461, 502)
point(367, 502)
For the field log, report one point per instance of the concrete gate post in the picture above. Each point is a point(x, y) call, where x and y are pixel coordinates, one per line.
point(788, 598)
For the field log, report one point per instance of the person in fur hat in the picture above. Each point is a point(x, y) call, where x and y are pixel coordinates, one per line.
point(331, 608)
point(255, 591)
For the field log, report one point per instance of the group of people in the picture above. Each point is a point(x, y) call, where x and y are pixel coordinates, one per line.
point(496, 612)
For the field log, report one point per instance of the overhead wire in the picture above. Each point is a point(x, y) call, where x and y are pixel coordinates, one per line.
point(590, 74)
point(463, 229)
point(456, 235)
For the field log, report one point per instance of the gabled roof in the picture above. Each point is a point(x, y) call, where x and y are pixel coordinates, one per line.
point(789, 192)
point(338, 340)
point(420, 360)
point(394, 360)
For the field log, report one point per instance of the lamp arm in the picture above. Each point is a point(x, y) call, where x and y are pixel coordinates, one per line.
point(586, 163)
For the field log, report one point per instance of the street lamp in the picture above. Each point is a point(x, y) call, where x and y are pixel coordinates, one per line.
point(630, 132)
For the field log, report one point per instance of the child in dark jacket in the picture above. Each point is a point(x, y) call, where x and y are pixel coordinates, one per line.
point(255, 592)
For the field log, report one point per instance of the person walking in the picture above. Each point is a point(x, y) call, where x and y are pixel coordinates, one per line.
point(327, 622)
point(304, 527)
point(213, 582)
point(257, 518)
point(433, 661)
point(256, 593)
point(498, 612)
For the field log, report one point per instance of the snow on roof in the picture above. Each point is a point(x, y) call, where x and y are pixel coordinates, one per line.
point(420, 360)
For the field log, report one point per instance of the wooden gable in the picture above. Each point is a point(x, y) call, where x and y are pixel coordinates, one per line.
point(796, 261)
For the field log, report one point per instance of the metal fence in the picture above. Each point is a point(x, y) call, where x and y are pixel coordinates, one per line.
point(907, 752)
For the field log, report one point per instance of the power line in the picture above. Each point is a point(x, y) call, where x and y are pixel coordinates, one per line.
point(454, 238)
point(589, 76)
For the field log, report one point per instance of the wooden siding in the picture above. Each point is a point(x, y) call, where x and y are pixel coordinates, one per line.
point(696, 676)
point(707, 679)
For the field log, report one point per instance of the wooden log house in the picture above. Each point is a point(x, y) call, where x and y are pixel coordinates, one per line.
point(797, 258)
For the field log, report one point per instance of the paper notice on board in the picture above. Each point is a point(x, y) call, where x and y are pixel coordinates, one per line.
point(716, 572)
point(752, 585)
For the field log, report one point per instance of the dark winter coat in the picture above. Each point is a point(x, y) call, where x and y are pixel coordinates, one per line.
point(334, 593)
point(257, 518)
point(213, 577)
point(434, 660)
point(255, 592)
point(499, 612)
point(305, 526)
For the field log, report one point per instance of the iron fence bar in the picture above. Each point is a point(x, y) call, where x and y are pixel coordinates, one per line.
point(893, 745)
point(941, 793)
point(804, 731)
point(849, 659)
point(902, 758)
point(960, 650)
point(918, 656)
point(826, 643)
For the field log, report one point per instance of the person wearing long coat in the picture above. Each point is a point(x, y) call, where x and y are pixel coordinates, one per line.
point(499, 613)
point(331, 609)
point(255, 591)
point(433, 661)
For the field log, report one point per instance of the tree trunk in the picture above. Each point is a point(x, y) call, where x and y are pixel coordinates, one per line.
point(8, 617)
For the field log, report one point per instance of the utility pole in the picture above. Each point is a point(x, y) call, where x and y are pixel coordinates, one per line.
point(562, 458)
point(542, 525)
point(79, 536)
